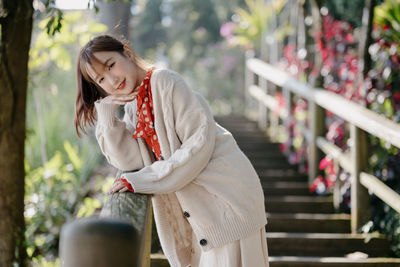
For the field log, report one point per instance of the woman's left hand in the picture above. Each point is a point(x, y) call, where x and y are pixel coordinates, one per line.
point(120, 185)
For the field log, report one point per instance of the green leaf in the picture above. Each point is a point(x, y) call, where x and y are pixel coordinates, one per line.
point(89, 207)
point(107, 184)
point(388, 107)
point(55, 162)
point(60, 57)
point(73, 155)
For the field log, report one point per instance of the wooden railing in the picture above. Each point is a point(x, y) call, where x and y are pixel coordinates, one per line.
point(361, 120)
point(120, 237)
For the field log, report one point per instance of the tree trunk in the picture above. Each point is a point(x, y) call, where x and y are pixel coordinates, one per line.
point(16, 29)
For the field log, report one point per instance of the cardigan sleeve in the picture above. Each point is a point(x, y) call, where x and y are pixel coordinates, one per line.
point(196, 128)
point(115, 141)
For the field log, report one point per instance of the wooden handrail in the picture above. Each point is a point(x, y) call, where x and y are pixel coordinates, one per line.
point(356, 114)
point(361, 121)
point(120, 237)
point(373, 184)
point(335, 152)
point(381, 190)
point(268, 100)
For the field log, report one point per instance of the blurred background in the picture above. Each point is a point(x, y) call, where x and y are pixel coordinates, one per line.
point(207, 42)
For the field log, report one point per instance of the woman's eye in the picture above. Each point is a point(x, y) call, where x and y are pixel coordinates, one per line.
point(101, 79)
point(111, 65)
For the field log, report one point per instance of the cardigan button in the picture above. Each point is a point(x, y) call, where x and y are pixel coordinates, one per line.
point(203, 242)
point(187, 215)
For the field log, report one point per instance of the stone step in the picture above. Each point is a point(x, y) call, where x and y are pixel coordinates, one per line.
point(325, 244)
point(232, 118)
point(272, 164)
point(159, 260)
point(242, 133)
point(285, 188)
point(269, 175)
point(283, 179)
point(281, 175)
point(264, 155)
point(248, 145)
point(246, 139)
point(291, 261)
point(279, 172)
point(299, 204)
point(308, 223)
point(237, 126)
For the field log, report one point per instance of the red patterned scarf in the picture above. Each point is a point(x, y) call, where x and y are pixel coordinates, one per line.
point(145, 114)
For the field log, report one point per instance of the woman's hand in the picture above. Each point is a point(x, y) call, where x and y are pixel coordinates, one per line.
point(119, 99)
point(120, 185)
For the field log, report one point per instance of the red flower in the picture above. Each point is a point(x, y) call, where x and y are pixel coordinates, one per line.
point(330, 181)
point(349, 38)
point(282, 147)
point(316, 182)
point(396, 97)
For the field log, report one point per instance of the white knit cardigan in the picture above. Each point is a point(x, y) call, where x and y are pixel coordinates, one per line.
point(204, 174)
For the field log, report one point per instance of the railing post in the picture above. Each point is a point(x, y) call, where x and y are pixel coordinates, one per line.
point(99, 243)
point(262, 109)
point(317, 128)
point(273, 118)
point(288, 98)
point(249, 79)
point(136, 209)
point(337, 197)
point(360, 200)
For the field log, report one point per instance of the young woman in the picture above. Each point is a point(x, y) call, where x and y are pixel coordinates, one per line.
point(207, 199)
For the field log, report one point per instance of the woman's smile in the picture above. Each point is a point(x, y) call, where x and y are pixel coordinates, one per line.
point(122, 85)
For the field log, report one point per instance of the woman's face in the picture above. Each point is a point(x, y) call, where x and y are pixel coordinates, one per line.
point(118, 75)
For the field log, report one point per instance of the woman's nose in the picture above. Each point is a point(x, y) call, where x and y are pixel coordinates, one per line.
point(112, 78)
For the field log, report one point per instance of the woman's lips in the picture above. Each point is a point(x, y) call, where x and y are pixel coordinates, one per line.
point(122, 85)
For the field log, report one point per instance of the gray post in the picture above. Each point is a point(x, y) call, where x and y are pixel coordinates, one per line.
point(317, 127)
point(360, 200)
point(99, 243)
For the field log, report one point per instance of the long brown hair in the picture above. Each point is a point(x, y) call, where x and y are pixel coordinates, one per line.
point(88, 91)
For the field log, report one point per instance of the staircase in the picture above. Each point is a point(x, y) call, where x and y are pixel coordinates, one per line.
point(302, 229)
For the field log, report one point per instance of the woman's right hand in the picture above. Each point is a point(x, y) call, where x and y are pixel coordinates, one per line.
point(119, 99)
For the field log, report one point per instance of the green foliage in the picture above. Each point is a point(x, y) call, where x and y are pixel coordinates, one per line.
point(50, 109)
point(57, 164)
point(151, 32)
point(90, 205)
point(56, 49)
point(387, 15)
point(194, 24)
point(254, 20)
point(55, 17)
point(53, 192)
point(350, 11)
point(54, 23)
point(73, 155)
point(185, 35)
point(42, 262)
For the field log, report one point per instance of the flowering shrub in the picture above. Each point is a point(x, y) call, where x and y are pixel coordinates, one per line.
point(336, 45)
point(384, 99)
point(379, 91)
point(296, 63)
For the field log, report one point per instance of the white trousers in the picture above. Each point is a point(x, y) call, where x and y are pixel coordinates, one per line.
point(251, 251)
